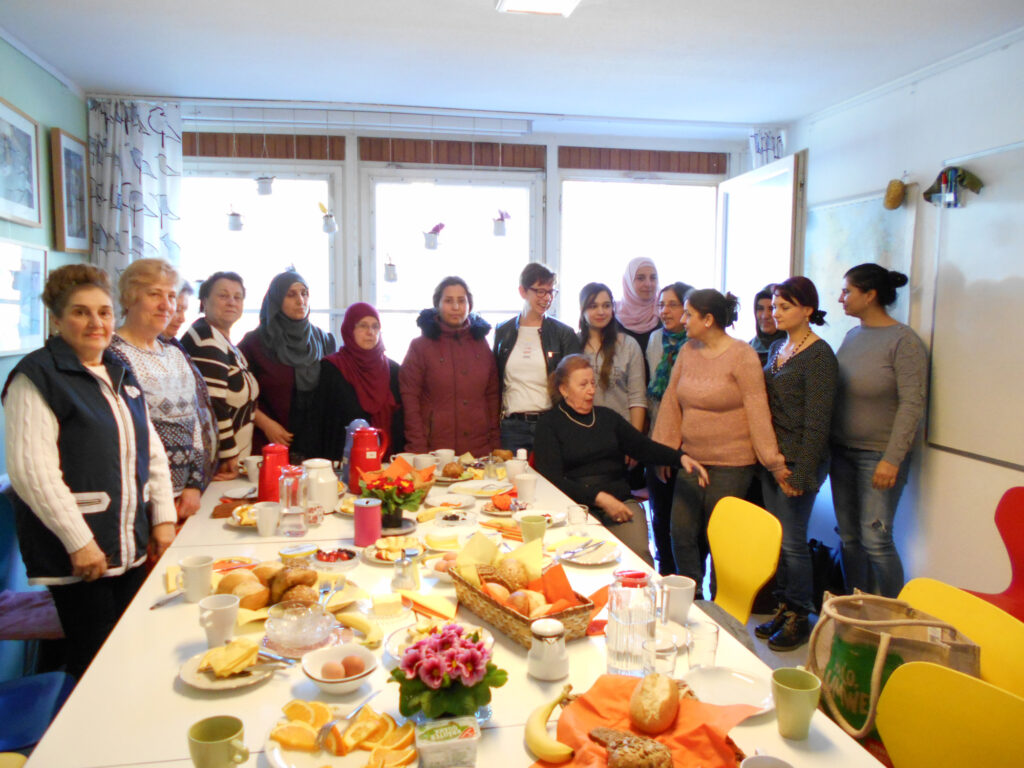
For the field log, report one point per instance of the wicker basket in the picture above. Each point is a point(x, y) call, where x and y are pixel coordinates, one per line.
point(514, 624)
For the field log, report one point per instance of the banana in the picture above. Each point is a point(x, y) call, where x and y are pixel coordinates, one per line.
point(370, 629)
point(537, 739)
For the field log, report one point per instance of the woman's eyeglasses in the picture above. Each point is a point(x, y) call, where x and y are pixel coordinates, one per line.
point(670, 305)
point(543, 293)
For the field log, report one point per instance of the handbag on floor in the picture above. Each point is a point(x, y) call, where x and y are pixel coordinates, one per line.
point(857, 643)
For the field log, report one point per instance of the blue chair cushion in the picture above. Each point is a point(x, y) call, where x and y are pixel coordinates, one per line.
point(28, 706)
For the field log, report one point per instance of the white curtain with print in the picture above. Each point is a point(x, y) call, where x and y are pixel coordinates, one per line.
point(766, 146)
point(135, 180)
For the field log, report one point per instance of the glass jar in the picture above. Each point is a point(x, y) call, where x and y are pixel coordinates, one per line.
point(632, 602)
point(407, 575)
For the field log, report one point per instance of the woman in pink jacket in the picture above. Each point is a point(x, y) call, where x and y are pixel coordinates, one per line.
point(448, 379)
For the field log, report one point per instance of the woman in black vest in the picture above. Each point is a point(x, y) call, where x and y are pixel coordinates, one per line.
point(91, 476)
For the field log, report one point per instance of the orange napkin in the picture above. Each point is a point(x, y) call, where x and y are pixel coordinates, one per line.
point(600, 600)
point(508, 530)
point(698, 737)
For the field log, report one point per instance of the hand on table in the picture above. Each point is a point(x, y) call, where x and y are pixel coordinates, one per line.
point(227, 470)
point(188, 503)
point(160, 539)
point(89, 562)
point(885, 476)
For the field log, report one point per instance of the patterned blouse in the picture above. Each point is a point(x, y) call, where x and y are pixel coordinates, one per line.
point(170, 389)
point(233, 388)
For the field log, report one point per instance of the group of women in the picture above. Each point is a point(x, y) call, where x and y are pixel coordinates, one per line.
point(111, 437)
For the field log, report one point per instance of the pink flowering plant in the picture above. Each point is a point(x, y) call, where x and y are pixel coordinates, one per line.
point(449, 672)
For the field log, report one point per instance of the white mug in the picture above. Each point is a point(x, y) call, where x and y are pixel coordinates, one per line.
point(409, 457)
point(515, 467)
point(268, 515)
point(526, 487)
point(676, 597)
point(217, 615)
point(196, 577)
point(252, 468)
point(424, 460)
point(444, 456)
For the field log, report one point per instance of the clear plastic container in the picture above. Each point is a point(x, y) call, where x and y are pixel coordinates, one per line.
point(294, 627)
point(448, 742)
point(632, 614)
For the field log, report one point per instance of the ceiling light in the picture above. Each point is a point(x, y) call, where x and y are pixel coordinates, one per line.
point(545, 7)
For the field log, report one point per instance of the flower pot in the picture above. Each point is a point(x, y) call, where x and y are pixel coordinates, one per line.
point(499, 227)
point(430, 241)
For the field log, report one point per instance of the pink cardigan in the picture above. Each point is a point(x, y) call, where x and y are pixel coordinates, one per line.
point(719, 412)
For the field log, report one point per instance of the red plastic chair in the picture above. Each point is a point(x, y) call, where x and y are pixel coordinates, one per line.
point(1010, 522)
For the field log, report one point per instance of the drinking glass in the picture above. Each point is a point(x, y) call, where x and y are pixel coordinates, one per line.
point(577, 518)
point(660, 655)
point(703, 645)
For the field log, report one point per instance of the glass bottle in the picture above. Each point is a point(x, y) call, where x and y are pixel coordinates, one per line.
point(407, 576)
point(632, 602)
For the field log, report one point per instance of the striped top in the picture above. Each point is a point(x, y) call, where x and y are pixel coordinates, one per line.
point(233, 388)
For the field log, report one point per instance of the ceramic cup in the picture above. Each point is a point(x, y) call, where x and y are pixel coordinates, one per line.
point(526, 487)
point(196, 577)
point(796, 692)
point(676, 597)
point(424, 460)
point(533, 527)
point(252, 468)
point(217, 742)
point(268, 515)
point(514, 467)
point(217, 615)
point(409, 457)
point(444, 456)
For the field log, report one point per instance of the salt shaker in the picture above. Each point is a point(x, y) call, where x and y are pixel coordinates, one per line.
point(548, 658)
point(406, 575)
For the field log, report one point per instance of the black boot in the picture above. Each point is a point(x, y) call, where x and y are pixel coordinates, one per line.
point(770, 627)
point(793, 633)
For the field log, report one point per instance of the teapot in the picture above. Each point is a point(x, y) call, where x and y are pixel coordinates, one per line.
point(369, 444)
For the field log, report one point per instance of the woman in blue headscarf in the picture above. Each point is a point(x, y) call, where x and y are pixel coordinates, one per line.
point(284, 353)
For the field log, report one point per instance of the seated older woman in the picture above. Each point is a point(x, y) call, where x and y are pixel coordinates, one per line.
point(148, 289)
point(582, 449)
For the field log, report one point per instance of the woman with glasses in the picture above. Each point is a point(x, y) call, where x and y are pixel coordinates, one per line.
point(527, 349)
point(662, 351)
point(448, 380)
point(358, 382)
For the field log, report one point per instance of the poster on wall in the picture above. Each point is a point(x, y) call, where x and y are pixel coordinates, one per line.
point(846, 233)
point(70, 185)
point(19, 166)
point(22, 320)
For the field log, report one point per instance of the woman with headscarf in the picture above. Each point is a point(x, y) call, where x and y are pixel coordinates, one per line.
point(358, 382)
point(637, 311)
point(284, 353)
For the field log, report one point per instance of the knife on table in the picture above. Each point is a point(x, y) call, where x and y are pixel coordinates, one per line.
point(166, 598)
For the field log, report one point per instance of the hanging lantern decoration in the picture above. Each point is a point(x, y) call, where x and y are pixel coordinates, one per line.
point(264, 185)
point(390, 271)
point(430, 238)
point(330, 225)
point(234, 221)
point(499, 223)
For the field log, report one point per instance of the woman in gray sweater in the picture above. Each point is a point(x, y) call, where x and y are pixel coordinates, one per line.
point(880, 402)
point(800, 377)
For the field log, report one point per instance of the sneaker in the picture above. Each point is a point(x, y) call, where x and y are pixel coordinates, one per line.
point(794, 632)
point(770, 627)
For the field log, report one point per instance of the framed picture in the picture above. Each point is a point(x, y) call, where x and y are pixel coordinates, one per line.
point(22, 319)
point(19, 166)
point(70, 198)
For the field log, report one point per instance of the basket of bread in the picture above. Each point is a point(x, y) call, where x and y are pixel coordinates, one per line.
point(510, 591)
point(271, 582)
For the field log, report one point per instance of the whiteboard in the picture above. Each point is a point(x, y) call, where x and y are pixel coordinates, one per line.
point(977, 381)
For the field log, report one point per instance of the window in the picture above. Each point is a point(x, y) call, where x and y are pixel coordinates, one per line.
point(606, 223)
point(279, 230)
point(407, 205)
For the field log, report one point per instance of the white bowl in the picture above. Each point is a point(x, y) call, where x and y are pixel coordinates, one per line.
point(314, 661)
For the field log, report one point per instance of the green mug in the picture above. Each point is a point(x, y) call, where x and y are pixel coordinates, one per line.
point(533, 527)
point(217, 742)
point(796, 692)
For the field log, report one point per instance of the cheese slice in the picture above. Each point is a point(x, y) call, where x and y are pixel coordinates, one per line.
point(438, 541)
point(428, 514)
point(387, 605)
point(230, 659)
point(432, 605)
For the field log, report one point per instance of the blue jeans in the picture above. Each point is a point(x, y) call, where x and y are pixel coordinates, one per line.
point(795, 576)
point(660, 496)
point(865, 516)
point(691, 510)
point(516, 434)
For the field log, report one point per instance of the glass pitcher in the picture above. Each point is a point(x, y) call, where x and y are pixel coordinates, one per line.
point(632, 614)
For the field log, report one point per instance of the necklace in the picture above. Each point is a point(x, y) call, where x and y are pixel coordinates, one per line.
point(778, 361)
point(593, 418)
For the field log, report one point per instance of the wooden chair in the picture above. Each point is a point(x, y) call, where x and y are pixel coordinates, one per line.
point(1010, 522)
point(745, 541)
point(930, 715)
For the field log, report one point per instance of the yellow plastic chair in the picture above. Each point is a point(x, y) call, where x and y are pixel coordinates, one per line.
point(999, 635)
point(12, 760)
point(745, 541)
point(930, 715)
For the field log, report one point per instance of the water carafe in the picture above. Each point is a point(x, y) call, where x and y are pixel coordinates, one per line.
point(632, 601)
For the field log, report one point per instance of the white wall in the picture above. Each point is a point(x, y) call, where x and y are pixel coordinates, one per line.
point(944, 527)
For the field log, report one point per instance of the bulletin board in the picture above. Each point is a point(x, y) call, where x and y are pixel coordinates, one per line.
point(977, 370)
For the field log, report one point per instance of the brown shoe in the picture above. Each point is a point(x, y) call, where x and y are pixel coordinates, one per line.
point(794, 632)
point(770, 627)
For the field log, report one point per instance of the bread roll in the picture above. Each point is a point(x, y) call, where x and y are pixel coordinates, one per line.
point(502, 454)
point(452, 469)
point(251, 595)
point(519, 602)
point(265, 571)
point(654, 704)
point(514, 573)
point(287, 578)
point(301, 593)
point(232, 579)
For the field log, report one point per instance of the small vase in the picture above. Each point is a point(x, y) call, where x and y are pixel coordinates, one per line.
point(391, 518)
point(430, 241)
point(499, 227)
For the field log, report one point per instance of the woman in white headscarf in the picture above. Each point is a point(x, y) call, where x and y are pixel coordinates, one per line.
point(637, 311)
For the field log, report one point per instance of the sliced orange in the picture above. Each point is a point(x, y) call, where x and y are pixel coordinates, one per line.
point(400, 738)
point(322, 714)
point(386, 728)
point(364, 726)
point(299, 710)
point(376, 760)
point(392, 758)
point(295, 734)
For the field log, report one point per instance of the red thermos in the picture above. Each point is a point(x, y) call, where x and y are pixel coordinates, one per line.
point(275, 458)
point(369, 445)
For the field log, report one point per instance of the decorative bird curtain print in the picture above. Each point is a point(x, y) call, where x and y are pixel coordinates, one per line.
point(135, 177)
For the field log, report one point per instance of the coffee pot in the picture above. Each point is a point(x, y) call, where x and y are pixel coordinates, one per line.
point(369, 444)
point(275, 458)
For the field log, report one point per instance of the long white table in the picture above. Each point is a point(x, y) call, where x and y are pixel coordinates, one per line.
point(130, 709)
